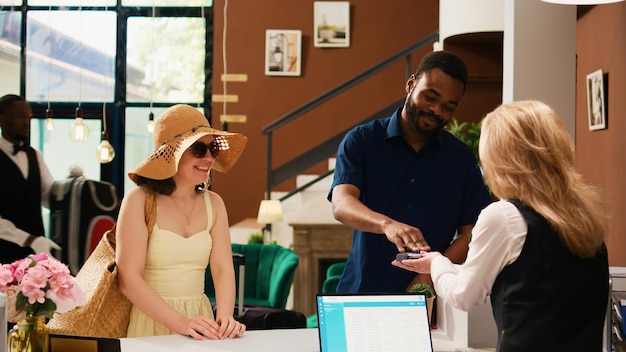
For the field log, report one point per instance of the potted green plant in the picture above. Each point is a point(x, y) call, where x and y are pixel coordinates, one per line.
point(467, 132)
point(427, 291)
point(256, 237)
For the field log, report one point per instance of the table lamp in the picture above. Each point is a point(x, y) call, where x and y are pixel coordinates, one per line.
point(270, 211)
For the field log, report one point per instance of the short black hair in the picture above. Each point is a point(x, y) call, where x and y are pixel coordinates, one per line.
point(447, 62)
point(8, 100)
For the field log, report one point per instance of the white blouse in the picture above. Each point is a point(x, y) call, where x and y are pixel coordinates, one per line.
point(497, 240)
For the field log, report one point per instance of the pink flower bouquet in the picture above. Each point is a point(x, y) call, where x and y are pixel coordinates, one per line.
point(39, 285)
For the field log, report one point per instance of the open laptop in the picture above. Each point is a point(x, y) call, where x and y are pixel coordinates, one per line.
point(357, 322)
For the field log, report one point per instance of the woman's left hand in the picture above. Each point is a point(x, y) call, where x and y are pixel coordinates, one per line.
point(421, 265)
point(230, 328)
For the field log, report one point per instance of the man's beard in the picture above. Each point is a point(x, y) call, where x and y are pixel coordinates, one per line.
point(413, 115)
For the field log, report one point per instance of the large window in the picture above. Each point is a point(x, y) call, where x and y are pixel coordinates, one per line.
point(70, 56)
point(122, 59)
point(165, 59)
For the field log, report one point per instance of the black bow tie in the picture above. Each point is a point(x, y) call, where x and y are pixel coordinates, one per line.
point(17, 148)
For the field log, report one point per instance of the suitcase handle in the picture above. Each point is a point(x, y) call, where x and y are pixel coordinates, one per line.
point(241, 260)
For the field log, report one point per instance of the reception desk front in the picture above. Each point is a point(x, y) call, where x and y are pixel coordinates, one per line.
point(285, 340)
point(461, 330)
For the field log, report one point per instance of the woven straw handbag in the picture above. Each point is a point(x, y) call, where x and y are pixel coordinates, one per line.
point(107, 311)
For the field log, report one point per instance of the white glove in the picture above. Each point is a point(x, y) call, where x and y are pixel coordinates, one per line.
point(43, 244)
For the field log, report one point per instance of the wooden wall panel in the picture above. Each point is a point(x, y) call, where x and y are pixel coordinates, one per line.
point(601, 155)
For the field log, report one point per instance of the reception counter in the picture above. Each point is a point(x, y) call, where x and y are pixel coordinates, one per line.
point(457, 331)
point(284, 340)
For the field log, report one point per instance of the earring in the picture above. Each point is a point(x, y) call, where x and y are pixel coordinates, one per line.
point(204, 186)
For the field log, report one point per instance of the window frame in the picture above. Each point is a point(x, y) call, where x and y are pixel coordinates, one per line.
point(116, 110)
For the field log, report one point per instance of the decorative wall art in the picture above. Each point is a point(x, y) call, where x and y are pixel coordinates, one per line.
point(283, 52)
point(331, 21)
point(595, 101)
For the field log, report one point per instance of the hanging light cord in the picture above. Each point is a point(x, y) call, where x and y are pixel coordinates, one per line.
point(104, 120)
point(224, 54)
point(80, 57)
point(50, 55)
point(152, 51)
point(104, 102)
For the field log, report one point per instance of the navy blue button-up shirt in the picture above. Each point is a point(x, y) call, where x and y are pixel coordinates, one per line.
point(437, 189)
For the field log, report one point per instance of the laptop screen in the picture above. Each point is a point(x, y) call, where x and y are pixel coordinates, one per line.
point(373, 322)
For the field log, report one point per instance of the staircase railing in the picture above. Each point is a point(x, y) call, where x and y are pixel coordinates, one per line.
point(325, 149)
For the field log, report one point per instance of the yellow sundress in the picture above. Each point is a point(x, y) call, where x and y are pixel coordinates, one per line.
point(175, 269)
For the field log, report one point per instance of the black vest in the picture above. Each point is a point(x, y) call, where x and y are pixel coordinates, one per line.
point(548, 299)
point(20, 202)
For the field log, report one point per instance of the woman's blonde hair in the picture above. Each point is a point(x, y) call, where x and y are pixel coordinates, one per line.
point(527, 154)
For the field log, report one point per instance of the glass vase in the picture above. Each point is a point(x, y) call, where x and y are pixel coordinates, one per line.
point(29, 335)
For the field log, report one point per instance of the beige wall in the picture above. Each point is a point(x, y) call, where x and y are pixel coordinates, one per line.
point(601, 155)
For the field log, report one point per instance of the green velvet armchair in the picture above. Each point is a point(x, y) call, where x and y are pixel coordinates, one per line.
point(269, 273)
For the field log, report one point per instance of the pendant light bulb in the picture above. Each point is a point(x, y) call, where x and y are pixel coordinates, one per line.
point(79, 132)
point(49, 126)
point(105, 151)
point(150, 126)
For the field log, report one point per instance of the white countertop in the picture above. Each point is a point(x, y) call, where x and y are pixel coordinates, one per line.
point(287, 340)
point(280, 340)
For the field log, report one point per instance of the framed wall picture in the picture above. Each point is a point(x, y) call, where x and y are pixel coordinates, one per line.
point(283, 49)
point(331, 21)
point(595, 101)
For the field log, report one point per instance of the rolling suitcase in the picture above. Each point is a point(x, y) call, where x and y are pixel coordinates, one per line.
point(259, 317)
point(81, 210)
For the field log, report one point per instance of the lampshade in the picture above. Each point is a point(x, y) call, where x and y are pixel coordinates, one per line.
point(581, 2)
point(270, 211)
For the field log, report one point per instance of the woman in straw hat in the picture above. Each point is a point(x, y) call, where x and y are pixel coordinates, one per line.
point(161, 270)
point(539, 252)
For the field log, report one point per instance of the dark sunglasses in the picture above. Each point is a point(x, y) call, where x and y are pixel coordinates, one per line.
point(198, 149)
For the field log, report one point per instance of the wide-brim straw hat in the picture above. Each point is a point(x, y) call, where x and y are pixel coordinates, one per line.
point(177, 129)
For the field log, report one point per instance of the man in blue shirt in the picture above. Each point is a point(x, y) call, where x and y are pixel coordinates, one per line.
point(404, 183)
